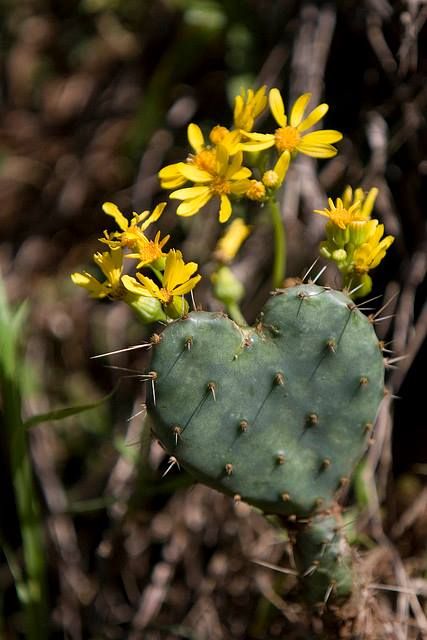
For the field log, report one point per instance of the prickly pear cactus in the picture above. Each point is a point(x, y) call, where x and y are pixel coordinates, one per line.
point(278, 414)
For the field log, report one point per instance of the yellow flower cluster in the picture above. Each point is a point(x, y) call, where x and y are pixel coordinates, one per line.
point(216, 168)
point(354, 240)
point(150, 299)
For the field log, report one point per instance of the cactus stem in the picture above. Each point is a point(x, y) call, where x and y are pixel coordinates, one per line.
point(312, 420)
point(285, 497)
point(351, 307)
point(243, 426)
point(189, 343)
point(212, 389)
point(280, 458)
point(229, 468)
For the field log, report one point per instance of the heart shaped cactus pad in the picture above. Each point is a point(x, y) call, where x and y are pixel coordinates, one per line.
point(277, 414)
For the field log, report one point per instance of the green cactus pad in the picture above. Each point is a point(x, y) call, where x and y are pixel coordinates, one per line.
point(276, 414)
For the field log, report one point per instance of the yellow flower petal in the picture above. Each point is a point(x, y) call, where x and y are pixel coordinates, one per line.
point(187, 286)
point(91, 284)
point(277, 107)
point(157, 212)
point(194, 174)
point(282, 165)
point(258, 145)
point(193, 206)
point(313, 117)
point(189, 193)
point(222, 156)
point(318, 150)
point(323, 136)
point(195, 137)
point(243, 173)
point(225, 209)
point(133, 286)
point(112, 209)
point(298, 109)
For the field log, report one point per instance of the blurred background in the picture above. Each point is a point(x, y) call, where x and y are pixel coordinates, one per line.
point(96, 96)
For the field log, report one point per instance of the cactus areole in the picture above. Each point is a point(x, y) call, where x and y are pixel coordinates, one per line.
point(277, 414)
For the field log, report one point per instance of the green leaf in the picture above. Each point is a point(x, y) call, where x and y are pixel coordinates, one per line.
point(66, 412)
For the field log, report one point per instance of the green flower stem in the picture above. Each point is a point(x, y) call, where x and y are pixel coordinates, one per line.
point(279, 265)
point(235, 313)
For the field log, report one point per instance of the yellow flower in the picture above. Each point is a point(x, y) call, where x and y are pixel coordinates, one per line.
point(366, 200)
point(132, 233)
point(176, 280)
point(203, 158)
point(255, 190)
point(111, 265)
point(341, 216)
point(369, 255)
point(274, 177)
point(289, 138)
point(247, 107)
point(228, 178)
point(230, 243)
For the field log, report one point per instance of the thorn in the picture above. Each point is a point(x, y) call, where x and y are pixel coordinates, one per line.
point(328, 592)
point(370, 300)
point(153, 376)
point(311, 569)
point(367, 428)
point(310, 269)
point(363, 381)
point(374, 320)
point(243, 426)
point(211, 388)
point(280, 458)
point(312, 419)
point(237, 498)
point(343, 481)
point(285, 497)
point(229, 468)
point(350, 293)
point(331, 345)
point(279, 379)
point(177, 430)
point(138, 413)
point(302, 296)
point(397, 359)
point(172, 461)
point(145, 345)
point(326, 463)
point(193, 302)
point(318, 502)
point(319, 274)
point(155, 338)
point(189, 343)
point(389, 301)
point(292, 518)
point(268, 565)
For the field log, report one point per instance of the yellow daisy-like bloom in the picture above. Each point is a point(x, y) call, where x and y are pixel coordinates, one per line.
point(176, 279)
point(273, 178)
point(369, 255)
point(291, 138)
point(149, 250)
point(132, 233)
point(247, 107)
point(111, 265)
point(229, 244)
point(366, 200)
point(204, 156)
point(341, 216)
point(228, 178)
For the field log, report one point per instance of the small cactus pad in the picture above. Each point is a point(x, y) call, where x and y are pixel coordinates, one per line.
point(274, 413)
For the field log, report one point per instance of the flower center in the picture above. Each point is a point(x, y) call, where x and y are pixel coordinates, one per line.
point(164, 295)
point(286, 138)
point(220, 186)
point(256, 190)
point(150, 252)
point(205, 160)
